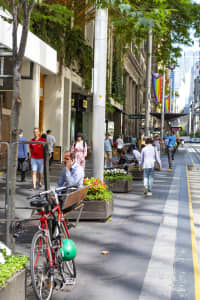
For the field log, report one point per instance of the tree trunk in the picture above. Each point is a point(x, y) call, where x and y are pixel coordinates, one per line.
point(18, 54)
point(14, 125)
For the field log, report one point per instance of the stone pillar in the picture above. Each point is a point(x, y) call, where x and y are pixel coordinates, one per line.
point(53, 106)
point(30, 94)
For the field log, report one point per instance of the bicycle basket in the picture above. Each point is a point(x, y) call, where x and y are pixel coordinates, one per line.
point(68, 250)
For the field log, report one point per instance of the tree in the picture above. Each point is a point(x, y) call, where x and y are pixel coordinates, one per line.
point(20, 11)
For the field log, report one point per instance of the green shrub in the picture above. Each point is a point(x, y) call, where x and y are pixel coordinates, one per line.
point(13, 264)
point(113, 178)
point(107, 195)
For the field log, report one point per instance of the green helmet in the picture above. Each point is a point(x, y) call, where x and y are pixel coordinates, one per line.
point(68, 250)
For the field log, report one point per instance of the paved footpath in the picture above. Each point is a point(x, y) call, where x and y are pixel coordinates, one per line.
point(150, 242)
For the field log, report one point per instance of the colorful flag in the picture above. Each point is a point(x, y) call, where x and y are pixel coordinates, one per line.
point(167, 104)
point(157, 86)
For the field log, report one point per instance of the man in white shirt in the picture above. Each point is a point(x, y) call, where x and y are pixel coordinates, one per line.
point(149, 156)
point(120, 143)
point(51, 144)
point(137, 155)
point(72, 173)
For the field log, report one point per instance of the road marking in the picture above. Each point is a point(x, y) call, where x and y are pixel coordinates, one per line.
point(194, 248)
point(158, 281)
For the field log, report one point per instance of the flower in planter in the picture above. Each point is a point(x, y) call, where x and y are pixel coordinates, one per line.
point(98, 189)
point(116, 174)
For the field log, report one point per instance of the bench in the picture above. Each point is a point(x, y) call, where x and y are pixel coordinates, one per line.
point(74, 201)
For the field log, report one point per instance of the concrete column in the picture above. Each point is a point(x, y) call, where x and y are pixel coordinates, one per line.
point(30, 94)
point(100, 61)
point(67, 113)
point(53, 106)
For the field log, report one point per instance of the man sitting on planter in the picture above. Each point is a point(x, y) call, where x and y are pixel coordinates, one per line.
point(72, 173)
point(123, 160)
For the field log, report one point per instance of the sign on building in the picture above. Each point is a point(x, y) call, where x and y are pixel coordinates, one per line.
point(136, 116)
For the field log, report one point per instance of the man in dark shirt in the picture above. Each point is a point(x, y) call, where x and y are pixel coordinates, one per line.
point(22, 154)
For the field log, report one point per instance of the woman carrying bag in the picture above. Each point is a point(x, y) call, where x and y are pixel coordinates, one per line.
point(79, 148)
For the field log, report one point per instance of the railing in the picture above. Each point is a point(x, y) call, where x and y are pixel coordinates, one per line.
point(9, 206)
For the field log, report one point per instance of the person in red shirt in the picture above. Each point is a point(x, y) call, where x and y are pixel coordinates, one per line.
point(37, 158)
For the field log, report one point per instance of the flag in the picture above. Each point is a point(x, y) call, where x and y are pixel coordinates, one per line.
point(167, 104)
point(157, 86)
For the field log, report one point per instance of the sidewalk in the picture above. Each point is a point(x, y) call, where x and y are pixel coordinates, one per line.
point(149, 244)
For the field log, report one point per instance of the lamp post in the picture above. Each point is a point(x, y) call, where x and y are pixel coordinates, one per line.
point(163, 110)
point(148, 91)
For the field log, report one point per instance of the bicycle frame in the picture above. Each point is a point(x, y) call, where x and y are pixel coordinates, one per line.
point(44, 227)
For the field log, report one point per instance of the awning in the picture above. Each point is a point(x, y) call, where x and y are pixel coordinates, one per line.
point(169, 116)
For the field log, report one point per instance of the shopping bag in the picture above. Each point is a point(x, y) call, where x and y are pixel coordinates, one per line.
point(25, 166)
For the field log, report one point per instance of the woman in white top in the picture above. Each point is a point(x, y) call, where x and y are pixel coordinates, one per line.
point(149, 156)
point(80, 150)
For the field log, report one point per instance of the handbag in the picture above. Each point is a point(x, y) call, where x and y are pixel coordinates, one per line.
point(25, 166)
point(156, 164)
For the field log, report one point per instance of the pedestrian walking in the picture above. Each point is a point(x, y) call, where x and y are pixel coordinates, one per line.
point(133, 142)
point(22, 156)
point(79, 148)
point(157, 142)
point(171, 150)
point(51, 145)
point(120, 144)
point(37, 158)
point(107, 151)
point(149, 156)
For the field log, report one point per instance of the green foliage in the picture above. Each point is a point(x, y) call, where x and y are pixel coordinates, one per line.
point(106, 195)
point(118, 90)
point(98, 189)
point(52, 23)
point(192, 135)
point(183, 132)
point(170, 20)
point(197, 133)
point(114, 178)
point(13, 264)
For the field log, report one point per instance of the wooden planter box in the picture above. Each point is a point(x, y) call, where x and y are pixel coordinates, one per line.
point(119, 185)
point(137, 175)
point(94, 210)
point(15, 288)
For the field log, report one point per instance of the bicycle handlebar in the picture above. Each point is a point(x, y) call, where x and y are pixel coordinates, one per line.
point(39, 194)
point(62, 188)
point(59, 189)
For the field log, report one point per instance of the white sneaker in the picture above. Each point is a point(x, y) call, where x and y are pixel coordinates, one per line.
point(145, 190)
point(149, 194)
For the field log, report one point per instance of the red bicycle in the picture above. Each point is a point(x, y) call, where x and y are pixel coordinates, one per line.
point(48, 269)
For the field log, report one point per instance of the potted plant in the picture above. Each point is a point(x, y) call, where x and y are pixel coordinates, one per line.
point(12, 275)
point(136, 172)
point(98, 204)
point(118, 180)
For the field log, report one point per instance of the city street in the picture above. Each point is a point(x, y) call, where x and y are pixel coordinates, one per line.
point(151, 247)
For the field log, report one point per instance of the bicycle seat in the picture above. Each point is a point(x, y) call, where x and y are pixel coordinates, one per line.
point(39, 203)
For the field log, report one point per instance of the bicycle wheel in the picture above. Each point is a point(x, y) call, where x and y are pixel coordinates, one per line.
point(67, 268)
point(41, 275)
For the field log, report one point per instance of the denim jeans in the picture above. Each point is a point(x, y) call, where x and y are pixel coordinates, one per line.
point(170, 156)
point(148, 178)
